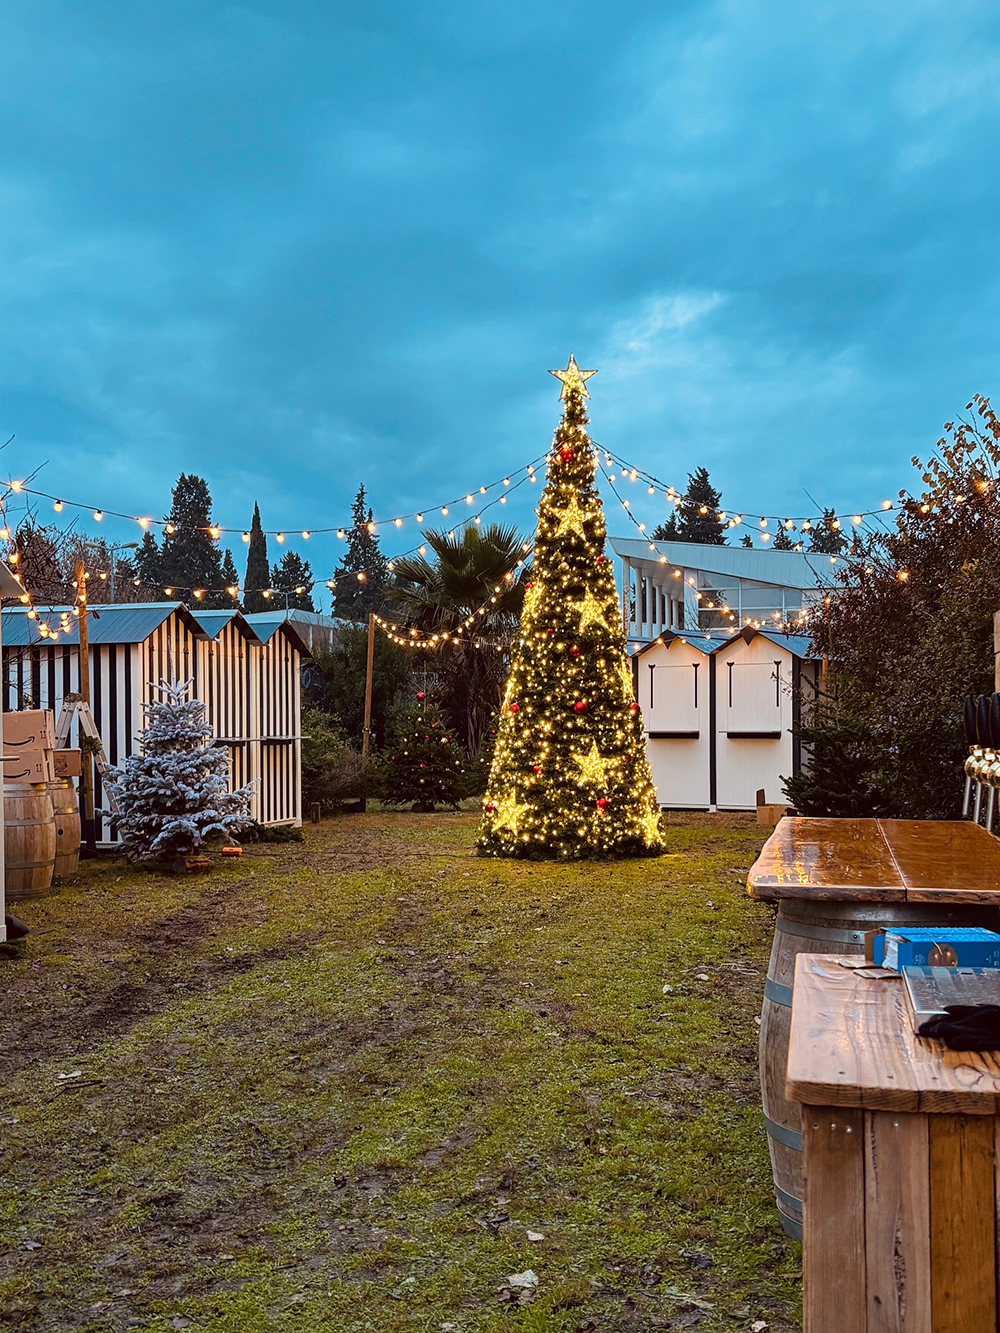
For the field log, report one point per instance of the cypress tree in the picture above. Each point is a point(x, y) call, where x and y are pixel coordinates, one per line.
point(147, 567)
point(230, 579)
point(258, 575)
point(361, 579)
point(292, 582)
point(189, 556)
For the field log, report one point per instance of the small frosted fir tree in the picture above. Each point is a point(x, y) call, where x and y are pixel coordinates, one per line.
point(423, 763)
point(173, 796)
point(570, 775)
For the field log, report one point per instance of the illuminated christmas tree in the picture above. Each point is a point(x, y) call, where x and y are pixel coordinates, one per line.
point(569, 775)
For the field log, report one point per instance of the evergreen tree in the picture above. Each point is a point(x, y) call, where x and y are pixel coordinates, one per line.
point(258, 575)
point(147, 566)
point(423, 763)
point(824, 538)
point(230, 578)
point(570, 775)
point(782, 541)
point(292, 582)
point(696, 519)
point(361, 579)
point(189, 555)
point(746, 540)
point(173, 796)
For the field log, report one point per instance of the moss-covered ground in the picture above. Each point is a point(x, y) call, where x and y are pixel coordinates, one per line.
point(359, 1083)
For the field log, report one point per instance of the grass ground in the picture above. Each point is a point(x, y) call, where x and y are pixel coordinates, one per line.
point(357, 1084)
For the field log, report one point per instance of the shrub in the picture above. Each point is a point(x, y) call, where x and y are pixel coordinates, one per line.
point(332, 770)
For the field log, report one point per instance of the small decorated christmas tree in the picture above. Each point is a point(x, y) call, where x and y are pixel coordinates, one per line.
point(570, 776)
point(173, 796)
point(422, 764)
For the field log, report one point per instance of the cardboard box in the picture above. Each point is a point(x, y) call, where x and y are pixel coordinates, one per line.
point(29, 729)
point(770, 815)
point(67, 763)
point(28, 766)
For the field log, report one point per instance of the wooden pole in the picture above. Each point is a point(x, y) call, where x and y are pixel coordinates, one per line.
point(86, 760)
point(366, 732)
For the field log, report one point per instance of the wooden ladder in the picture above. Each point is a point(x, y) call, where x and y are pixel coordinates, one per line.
point(74, 705)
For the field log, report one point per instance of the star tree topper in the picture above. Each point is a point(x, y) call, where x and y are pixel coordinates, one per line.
point(573, 378)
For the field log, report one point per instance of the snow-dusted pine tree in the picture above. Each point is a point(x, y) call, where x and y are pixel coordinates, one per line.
point(173, 795)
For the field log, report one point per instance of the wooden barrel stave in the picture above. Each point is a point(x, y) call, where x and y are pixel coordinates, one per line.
point(807, 926)
point(29, 840)
point(66, 813)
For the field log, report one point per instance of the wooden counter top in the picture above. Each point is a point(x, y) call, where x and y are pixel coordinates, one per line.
point(852, 1044)
point(878, 860)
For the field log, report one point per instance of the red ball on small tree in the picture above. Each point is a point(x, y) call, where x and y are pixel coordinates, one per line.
point(566, 453)
point(574, 651)
point(421, 695)
point(515, 708)
point(633, 707)
point(535, 769)
point(580, 706)
point(489, 807)
point(602, 803)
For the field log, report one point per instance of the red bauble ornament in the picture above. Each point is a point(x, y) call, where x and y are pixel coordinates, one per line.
point(421, 695)
point(633, 707)
point(550, 630)
point(489, 807)
point(600, 502)
point(600, 559)
point(580, 706)
point(574, 651)
point(603, 803)
point(566, 453)
point(535, 769)
point(528, 587)
point(515, 708)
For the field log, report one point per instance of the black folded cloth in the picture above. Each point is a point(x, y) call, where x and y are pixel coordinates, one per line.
point(966, 1027)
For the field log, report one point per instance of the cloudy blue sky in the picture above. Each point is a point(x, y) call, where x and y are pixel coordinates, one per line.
point(294, 246)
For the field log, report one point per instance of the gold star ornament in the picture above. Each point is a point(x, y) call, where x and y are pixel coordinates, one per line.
point(591, 610)
point(509, 812)
point(571, 519)
point(592, 767)
point(573, 378)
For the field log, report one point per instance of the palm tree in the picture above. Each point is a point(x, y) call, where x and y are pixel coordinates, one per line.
point(441, 595)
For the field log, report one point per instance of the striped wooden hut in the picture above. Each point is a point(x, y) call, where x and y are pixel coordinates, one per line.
point(233, 669)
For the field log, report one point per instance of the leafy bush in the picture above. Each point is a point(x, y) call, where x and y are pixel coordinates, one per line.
point(332, 770)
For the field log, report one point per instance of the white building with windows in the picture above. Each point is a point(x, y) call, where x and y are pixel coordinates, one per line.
point(692, 586)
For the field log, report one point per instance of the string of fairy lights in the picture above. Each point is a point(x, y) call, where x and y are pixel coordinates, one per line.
point(614, 467)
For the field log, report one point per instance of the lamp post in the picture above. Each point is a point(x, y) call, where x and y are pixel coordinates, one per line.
point(119, 546)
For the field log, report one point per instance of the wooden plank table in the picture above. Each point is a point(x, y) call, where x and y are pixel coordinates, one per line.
point(900, 1162)
point(833, 880)
point(878, 860)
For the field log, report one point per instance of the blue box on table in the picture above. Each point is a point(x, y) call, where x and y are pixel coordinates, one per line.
point(909, 946)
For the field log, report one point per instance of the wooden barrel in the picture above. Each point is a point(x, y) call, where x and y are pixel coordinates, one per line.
point(66, 812)
point(29, 840)
point(806, 926)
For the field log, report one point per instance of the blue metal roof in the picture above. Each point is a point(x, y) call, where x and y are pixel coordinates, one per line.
point(783, 569)
point(214, 622)
point(796, 644)
point(123, 623)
